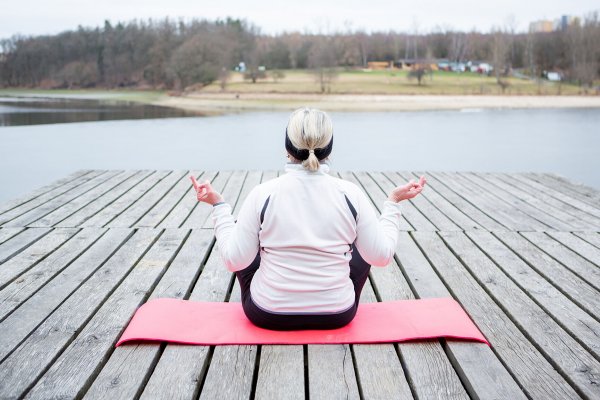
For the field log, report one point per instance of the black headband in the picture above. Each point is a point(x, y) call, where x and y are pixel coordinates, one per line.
point(302, 154)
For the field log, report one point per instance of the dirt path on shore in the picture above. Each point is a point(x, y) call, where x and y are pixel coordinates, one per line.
point(219, 103)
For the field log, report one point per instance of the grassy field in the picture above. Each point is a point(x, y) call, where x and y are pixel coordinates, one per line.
point(346, 82)
point(393, 82)
point(140, 96)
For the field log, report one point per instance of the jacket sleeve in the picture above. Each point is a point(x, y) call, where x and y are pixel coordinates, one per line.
point(237, 241)
point(376, 238)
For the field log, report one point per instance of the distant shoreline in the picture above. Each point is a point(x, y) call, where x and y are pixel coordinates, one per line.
point(218, 103)
point(223, 103)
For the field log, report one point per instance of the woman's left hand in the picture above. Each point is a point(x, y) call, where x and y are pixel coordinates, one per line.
point(408, 191)
point(205, 192)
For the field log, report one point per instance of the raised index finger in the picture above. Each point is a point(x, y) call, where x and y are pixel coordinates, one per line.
point(194, 181)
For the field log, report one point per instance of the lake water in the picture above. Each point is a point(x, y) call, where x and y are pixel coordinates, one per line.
point(562, 141)
point(15, 111)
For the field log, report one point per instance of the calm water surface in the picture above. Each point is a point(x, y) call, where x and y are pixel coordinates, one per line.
point(566, 142)
point(15, 111)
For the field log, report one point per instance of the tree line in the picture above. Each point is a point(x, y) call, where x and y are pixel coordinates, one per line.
point(169, 54)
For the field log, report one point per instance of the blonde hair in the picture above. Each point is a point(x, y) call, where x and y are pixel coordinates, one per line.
point(310, 129)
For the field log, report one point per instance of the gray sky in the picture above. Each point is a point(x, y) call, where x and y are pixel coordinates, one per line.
point(32, 17)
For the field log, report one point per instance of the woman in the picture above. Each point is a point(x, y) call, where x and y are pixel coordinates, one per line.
point(304, 242)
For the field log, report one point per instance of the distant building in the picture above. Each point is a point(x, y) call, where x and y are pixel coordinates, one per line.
point(541, 26)
point(562, 23)
point(379, 65)
point(559, 24)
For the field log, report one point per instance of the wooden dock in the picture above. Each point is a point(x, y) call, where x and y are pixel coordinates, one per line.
point(520, 252)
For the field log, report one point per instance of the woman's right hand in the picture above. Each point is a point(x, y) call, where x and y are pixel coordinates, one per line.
point(205, 192)
point(408, 191)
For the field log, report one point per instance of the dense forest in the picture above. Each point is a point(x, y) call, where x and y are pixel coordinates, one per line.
point(170, 54)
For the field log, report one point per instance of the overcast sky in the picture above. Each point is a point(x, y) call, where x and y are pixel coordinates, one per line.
point(33, 17)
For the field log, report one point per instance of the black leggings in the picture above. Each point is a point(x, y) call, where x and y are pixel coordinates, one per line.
point(359, 271)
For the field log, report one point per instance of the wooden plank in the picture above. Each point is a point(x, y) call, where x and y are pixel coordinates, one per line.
point(230, 193)
point(592, 238)
point(581, 247)
point(38, 273)
point(427, 366)
point(105, 200)
point(480, 370)
point(141, 268)
point(55, 187)
point(17, 326)
point(145, 203)
point(48, 341)
point(331, 372)
point(170, 200)
point(376, 196)
point(185, 207)
point(536, 375)
point(19, 242)
point(231, 370)
point(564, 280)
point(566, 186)
point(80, 202)
point(477, 379)
point(7, 233)
point(449, 210)
point(445, 190)
point(571, 260)
point(563, 351)
point(547, 215)
point(268, 175)
point(128, 368)
point(124, 202)
point(429, 209)
point(412, 213)
point(281, 373)
point(180, 369)
point(572, 318)
point(566, 197)
point(32, 255)
point(495, 203)
point(195, 358)
point(574, 216)
point(378, 366)
point(200, 212)
point(49, 206)
point(490, 204)
point(252, 179)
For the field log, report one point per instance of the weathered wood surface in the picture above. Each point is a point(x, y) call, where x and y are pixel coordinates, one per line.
point(520, 252)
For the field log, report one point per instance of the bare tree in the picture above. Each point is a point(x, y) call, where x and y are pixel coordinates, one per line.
point(584, 46)
point(322, 60)
point(500, 49)
point(458, 46)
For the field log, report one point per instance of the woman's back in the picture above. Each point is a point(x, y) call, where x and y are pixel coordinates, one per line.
point(305, 243)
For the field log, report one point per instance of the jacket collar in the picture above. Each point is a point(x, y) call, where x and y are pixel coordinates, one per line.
point(299, 169)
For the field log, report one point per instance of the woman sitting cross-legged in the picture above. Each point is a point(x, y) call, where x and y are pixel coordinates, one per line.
point(304, 242)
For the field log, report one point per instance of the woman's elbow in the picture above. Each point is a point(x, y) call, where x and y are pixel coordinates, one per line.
point(383, 259)
point(234, 261)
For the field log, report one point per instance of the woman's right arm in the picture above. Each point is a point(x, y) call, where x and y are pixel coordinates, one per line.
point(376, 238)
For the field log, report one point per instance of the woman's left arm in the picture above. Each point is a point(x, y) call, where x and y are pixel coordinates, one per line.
point(238, 241)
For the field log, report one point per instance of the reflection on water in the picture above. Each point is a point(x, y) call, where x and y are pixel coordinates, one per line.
point(15, 111)
point(564, 141)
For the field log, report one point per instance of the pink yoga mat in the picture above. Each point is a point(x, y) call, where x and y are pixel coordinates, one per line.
point(212, 323)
